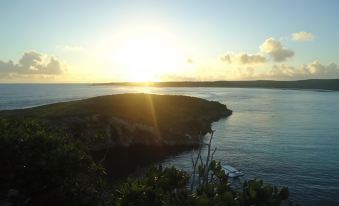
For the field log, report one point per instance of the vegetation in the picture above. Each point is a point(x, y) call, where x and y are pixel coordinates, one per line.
point(45, 161)
point(127, 119)
point(169, 186)
point(40, 166)
point(136, 108)
point(44, 167)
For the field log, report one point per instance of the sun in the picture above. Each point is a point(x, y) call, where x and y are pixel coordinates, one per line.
point(146, 58)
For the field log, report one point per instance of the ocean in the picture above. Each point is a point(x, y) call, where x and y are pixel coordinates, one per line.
point(285, 137)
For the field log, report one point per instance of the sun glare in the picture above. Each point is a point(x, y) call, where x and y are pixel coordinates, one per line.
point(148, 57)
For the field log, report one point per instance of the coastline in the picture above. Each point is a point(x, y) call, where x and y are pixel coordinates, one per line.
point(308, 84)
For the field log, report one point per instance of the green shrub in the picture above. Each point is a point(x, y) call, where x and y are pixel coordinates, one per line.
point(169, 187)
point(209, 187)
point(45, 167)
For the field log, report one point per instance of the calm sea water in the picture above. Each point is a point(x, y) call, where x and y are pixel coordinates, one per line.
point(286, 137)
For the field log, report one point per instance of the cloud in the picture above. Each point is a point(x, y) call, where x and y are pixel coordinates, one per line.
point(302, 36)
point(312, 70)
point(243, 59)
point(274, 48)
point(32, 63)
point(320, 70)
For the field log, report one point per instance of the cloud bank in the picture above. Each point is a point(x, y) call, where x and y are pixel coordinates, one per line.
point(274, 48)
point(243, 59)
point(32, 63)
point(312, 70)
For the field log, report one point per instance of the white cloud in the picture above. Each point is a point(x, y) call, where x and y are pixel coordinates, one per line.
point(243, 59)
point(32, 63)
point(312, 70)
point(302, 36)
point(320, 70)
point(274, 48)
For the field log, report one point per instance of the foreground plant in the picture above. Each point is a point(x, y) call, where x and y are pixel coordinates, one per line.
point(169, 187)
point(44, 167)
point(209, 186)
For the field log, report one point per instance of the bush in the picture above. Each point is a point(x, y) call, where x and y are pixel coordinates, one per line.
point(169, 187)
point(45, 167)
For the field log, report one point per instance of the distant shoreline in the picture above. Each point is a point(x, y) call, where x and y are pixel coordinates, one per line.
point(312, 84)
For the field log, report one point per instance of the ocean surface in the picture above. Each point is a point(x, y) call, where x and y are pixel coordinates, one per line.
point(285, 137)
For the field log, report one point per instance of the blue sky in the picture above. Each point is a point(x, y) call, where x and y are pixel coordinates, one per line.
point(202, 30)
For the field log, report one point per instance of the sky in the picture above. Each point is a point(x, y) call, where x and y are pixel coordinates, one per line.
point(179, 40)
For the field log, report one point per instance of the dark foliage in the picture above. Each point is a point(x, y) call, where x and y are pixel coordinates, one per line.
point(169, 187)
point(42, 167)
point(209, 186)
point(130, 119)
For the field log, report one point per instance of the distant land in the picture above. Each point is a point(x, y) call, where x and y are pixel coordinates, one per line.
point(321, 84)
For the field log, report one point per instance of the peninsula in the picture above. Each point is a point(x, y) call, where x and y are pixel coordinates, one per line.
point(125, 120)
